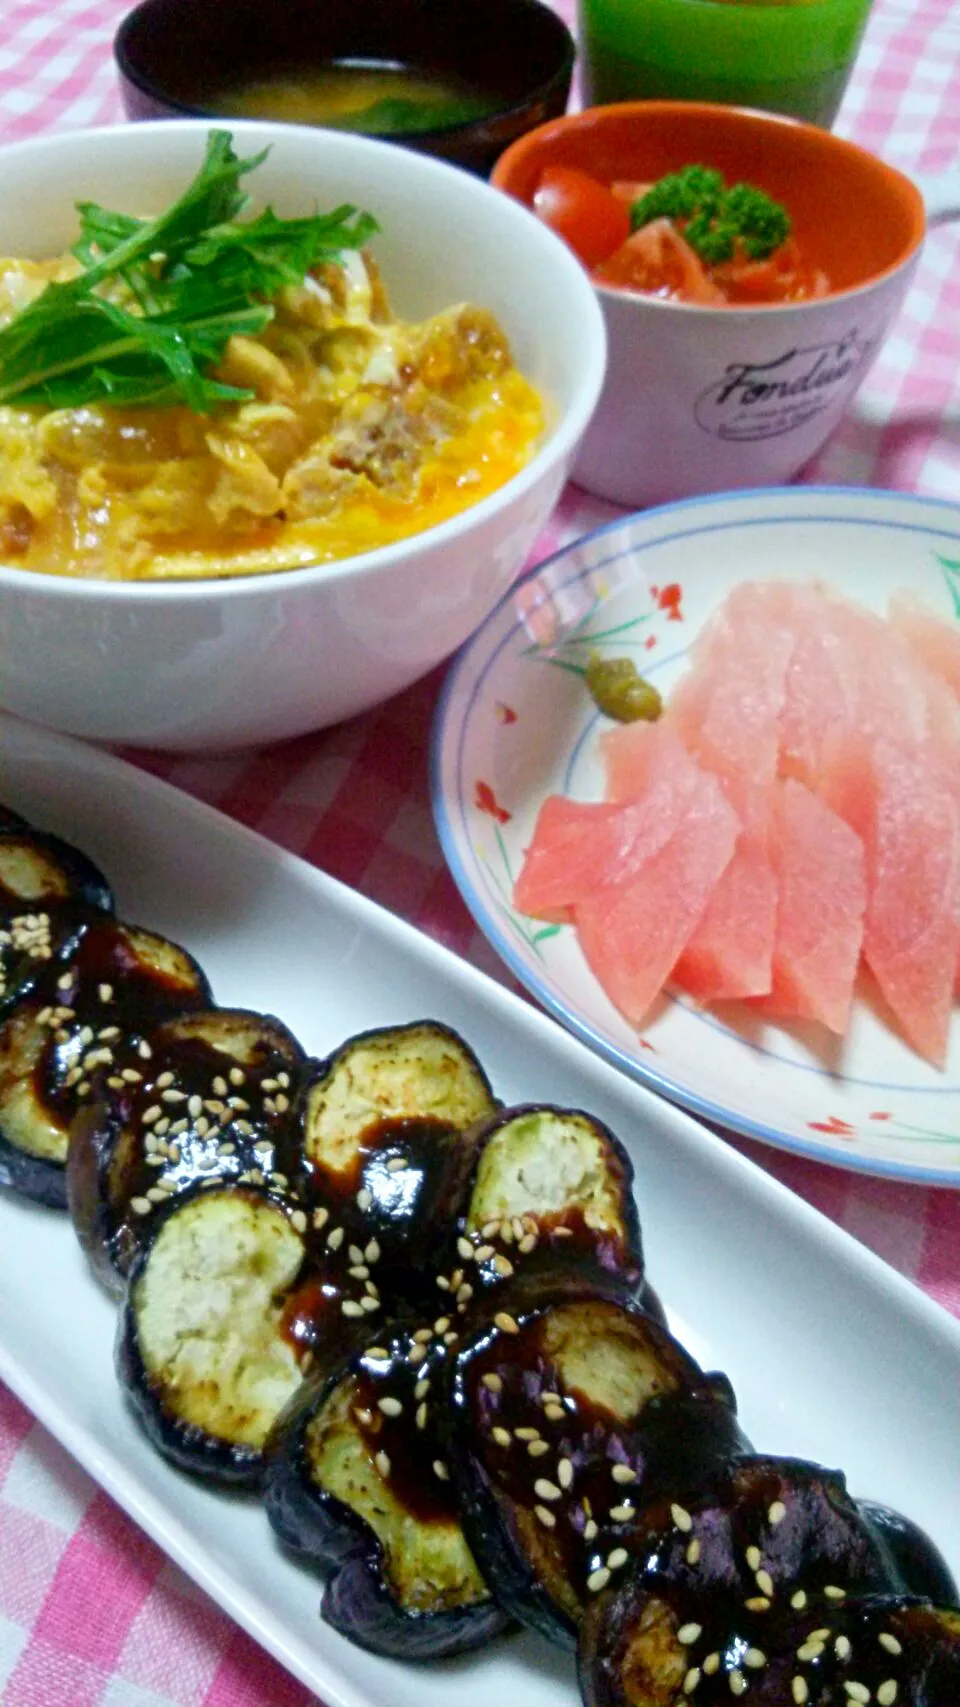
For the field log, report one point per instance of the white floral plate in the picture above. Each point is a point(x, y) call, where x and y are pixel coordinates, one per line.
point(515, 724)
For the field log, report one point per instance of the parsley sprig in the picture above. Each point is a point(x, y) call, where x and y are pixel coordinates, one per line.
point(157, 300)
point(715, 220)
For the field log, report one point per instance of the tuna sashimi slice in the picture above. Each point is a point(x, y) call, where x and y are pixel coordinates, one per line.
point(730, 954)
point(637, 754)
point(935, 642)
point(851, 673)
point(578, 845)
point(819, 862)
point(633, 933)
point(907, 809)
point(727, 707)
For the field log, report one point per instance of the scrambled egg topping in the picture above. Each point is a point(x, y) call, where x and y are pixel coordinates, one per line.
point(364, 429)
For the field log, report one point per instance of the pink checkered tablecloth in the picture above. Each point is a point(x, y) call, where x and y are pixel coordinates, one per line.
point(91, 1613)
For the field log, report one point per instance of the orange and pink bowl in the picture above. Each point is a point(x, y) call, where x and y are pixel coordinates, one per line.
point(702, 398)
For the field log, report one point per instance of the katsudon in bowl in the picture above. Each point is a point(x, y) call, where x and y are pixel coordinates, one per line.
point(280, 415)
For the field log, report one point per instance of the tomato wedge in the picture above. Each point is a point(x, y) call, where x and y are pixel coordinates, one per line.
point(583, 212)
point(657, 261)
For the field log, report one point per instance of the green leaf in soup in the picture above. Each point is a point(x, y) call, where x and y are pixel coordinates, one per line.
point(397, 114)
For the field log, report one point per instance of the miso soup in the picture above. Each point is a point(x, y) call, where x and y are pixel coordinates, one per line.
point(378, 97)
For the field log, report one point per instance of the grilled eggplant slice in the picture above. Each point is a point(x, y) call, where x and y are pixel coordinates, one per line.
point(48, 890)
point(570, 1414)
point(552, 1189)
point(204, 1350)
point(356, 1480)
point(81, 1026)
point(389, 1129)
point(217, 1100)
point(736, 1590)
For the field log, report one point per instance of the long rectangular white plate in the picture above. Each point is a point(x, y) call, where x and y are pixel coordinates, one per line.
point(833, 1355)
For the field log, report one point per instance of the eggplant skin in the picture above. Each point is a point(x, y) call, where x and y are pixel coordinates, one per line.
point(357, 1604)
point(204, 1393)
point(917, 1567)
point(32, 1177)
point(377, 1605)
point(627, 1395)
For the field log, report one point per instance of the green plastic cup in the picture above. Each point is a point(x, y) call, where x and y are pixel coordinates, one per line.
point(792, 59)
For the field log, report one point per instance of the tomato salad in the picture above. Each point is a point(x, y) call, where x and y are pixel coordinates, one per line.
point(688, 237)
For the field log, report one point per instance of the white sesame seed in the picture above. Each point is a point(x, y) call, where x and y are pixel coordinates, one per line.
point(691, 1680)
point(390, 1406)
point(395, 1164)
point(423, 1336)
point(416, 1354)
point(887, 1692)
point(440, 1470)
point(764, 1582)
point(335, 1238)
point(754, 1558)
point(856, 1691)
point(144, 1050)
point(283, 1079)
point(219, 1086)
point(590, 1530)
point(692, 1554)
point(131, 1076)
point(546, 1490)
point(537, 1448)
point(421, 1417)
point(65, 982)
point(383, 1463)
point(799, 1600)
point(841, 1647)
point(617, 1559)
point(622, 1513)
point(349, 1308)
point(173, 1096)
point(527, 1244)
point(422, 1388)
point(140, 1205)
point(711, 1664)
point(598, 1580)
point(269, 1085)
point(379, 1353)
point(757, 1603)
point(890, 1642)
point(526, 1433)
point(833, 1593)
point(369, 1304)
point(565, 1473)
point(359, 1271)
point(441, 1324)
point(155, 1194)
point(737, 1682)
point(372, 1252)
point(151, 1114)
point(364, 1200)
point(755, 1658)
point(485, 1252)
point(465, 1249)
point(502, 1436)
point(688, 1634)
point(320, 1219)
point(776, 1513)
point(236, 1076)
point(443, 1283)
point(506, 1323)
point(298, 1221)
point(493, 1383)
point(800, 1691)
point(624, 1473)
point(680, 1515)
point(810, 1651)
